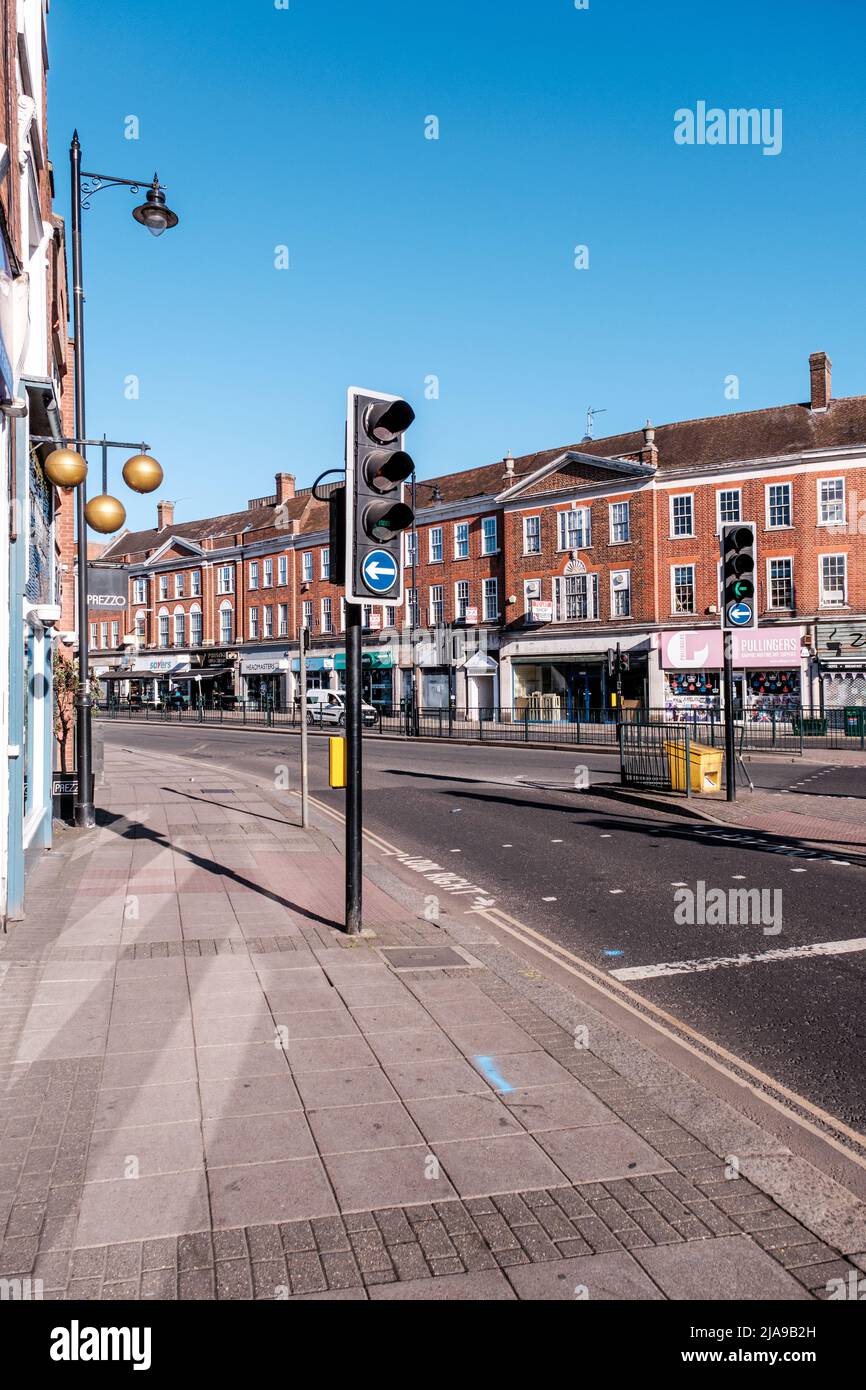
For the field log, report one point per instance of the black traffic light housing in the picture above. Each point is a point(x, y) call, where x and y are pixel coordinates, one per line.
point(739, 576)
point(376, 514)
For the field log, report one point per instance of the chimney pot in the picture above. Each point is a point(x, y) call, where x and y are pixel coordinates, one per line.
point(164, 514)
point(820, 373)
point(509, 464)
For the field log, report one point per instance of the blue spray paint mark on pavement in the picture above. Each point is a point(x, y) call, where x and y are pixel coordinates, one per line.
point(613, 953)
point(488, 1067)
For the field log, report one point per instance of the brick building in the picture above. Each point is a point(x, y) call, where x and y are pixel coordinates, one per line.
point(529, 571)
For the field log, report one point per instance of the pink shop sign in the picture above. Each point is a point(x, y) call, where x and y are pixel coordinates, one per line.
point(702, 649)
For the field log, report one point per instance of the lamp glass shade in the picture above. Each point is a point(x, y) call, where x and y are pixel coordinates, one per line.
point(142, 473)
point(105, 514)
point(65, 468)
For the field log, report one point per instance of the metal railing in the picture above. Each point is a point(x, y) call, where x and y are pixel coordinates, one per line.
point(756, 731)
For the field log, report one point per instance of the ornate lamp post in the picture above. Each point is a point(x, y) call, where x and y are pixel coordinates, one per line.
point(104, 513)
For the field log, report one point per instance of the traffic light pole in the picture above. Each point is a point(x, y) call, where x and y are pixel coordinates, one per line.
point(730, 756)
point(354, 921)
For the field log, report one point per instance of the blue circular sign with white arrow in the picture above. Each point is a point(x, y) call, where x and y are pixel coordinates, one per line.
point(379, 571)
point(740, 614)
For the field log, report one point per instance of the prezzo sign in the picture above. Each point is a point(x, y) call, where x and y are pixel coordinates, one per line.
point(107, 588)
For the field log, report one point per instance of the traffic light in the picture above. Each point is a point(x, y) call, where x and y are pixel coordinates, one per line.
point(376, 513)
point(739, 599)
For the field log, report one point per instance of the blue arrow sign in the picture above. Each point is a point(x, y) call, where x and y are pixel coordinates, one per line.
point(740, 614)
point(379, 571)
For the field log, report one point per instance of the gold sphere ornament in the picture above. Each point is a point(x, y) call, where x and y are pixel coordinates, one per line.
point(65, 468)
point(142, 473)
point(105, 514)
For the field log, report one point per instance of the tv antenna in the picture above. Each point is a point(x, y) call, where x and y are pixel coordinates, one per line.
point(591, 412)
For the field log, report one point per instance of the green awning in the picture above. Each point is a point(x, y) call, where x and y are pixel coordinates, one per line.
point(372, 661)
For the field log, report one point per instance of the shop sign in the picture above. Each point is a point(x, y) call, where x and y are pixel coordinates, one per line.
point(844, 641)
point(158, 665)
point(541, 612)
point(264, 667)
point(107, 588)
point(702, 649)
point(769, 646)
point(471, 615)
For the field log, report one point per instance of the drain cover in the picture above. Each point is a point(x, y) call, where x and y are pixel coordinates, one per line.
point(422, 957)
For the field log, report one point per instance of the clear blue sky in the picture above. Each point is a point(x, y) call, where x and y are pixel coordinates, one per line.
point(455, 258)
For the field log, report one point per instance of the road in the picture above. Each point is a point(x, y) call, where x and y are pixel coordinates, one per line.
point(600, 878)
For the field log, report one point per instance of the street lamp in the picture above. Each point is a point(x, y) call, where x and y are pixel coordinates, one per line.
point(154, 214)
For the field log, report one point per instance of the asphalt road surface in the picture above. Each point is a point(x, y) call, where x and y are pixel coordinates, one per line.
point(607, 881)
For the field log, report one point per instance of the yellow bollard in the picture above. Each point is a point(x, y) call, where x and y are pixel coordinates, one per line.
point(337, 762)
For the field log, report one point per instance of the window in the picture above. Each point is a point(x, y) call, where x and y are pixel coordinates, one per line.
point(139, 591)
point(461, 598)
point(268, 578)
point(683, 514)
point(342, 614)
point(225, 580)
point(620, 523)
point(831, 502)
point(683, 588)
point(489, 536)
point(268, 620)
point(163, 629)
point(115, 633)
point(93, 631)
point(411, 546)
point(308, 614)
point(412, 606)
point(195, 630)
point(327, 621)
point(195, 583)
point(437, 604)
point(833, 577)
point(227, 624)
point(730, 505)
point(461, 540)
point(780, 581)
point(532, 535)
point(390, 616)
point(254, 624)
point(490, 588)
point(620, 594)
point(326, 563)
point(283, 619)
point(283, 570)
point(103, 634)
point(367, 615)
point(140, 627)
point(163, 586)
point(254, 574)
point(178, 586)
point(575, 598)
point(575, 529)
point(307, 566)
point(179, 627)
point(435, 535)
point(778, 504)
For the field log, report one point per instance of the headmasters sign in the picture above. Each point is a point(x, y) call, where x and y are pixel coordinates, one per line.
point(108, 588)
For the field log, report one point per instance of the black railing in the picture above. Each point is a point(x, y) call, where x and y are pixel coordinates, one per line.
point(772, 730)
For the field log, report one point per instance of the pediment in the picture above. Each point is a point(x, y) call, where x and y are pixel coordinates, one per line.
point(573, 469)
point(175, 548)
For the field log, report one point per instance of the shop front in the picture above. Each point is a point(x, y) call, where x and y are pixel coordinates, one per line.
point(576, 686)
point(377, 677)
point(319, 673)
point(152, 678)
point(839, 668)
point(768, 672)
point(265, 680)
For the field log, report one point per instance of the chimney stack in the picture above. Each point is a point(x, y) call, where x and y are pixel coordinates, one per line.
point(820, 372)
point(164, 515)
point(649, 454)
point(285, 487)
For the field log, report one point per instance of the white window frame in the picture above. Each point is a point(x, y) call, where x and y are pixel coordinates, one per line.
point(434, 602)
point(282, 620)
point(115, 632)
point(140, 625)
point(728, 491)
point(327, 615)
point(253, 581)
point(325, 562)
point(195, 613)
point(268, 573)
point(282, 571)
point(840, 521)
point(486, 523)
point(178, 627)
point(267, 620)
point(163, 626)
point(163, 586)
point(612, 523)
point(769, 562)
point(178, 585)
point(822, 592)
point(614, 592)
point(195, 584)
point(582, 527)
point(94, 630)
point(139, 591)
point(307, 567)
point(560, 597)
point(460, 599)
point(307, 614)
point(458, 527)
point(527, 548)
point(778, 525)
point(486, 593)
point(254, 624)
point(680, 612)
point(681, 497)
point(225, 579)
point(435, 544)
point(224, 608)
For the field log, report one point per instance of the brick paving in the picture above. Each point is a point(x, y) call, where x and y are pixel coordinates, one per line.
point(210, 1093)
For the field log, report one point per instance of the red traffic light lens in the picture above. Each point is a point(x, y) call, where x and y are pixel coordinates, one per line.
point(385, 420)
point(385, 469)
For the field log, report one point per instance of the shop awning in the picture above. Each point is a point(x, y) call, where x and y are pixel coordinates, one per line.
point(199, 673)
point(371, 661)
point(315, 663)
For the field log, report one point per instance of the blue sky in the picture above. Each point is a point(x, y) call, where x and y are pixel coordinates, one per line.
point(411, 258)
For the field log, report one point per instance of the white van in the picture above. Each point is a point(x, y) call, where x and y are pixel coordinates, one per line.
point(329, 707)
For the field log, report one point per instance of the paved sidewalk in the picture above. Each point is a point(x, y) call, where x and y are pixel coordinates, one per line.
point(209, 1091)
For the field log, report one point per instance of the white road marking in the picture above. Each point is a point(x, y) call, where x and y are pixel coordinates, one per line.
point(616, 890)
point(690, 967)
point(556, 842)
point(548, 900)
